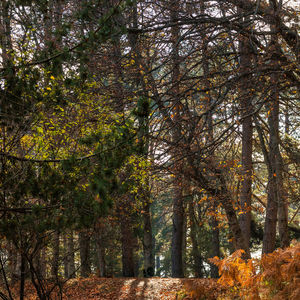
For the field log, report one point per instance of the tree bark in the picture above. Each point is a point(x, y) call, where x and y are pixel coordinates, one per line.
point(178, 211)
point(69, 263)
point(276, 203)
point(100, 252)
point(55, 255)
point(23, 277)
point(8, 108)
point(272, 197)
point(147, 242)
point(177, 234)
point(247, 133)
point(5, 30)
point(12, 262)
point(84, 249)
point(43, 267)
point(39, 264)
point(197, 259)
point(283, 219)
point(215, 245)
point(282, 208)
point(157, 263)
point(65, 258)
point(127, 239)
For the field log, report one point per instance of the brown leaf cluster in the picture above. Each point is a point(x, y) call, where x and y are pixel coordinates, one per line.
point(208, 289)
point(274, 276)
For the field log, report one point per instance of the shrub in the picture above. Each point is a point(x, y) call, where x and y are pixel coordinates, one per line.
point(274, 276)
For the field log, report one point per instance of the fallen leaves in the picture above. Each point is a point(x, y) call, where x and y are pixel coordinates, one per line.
point(133, 288)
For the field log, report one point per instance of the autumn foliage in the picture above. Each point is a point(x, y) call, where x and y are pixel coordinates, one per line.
point(208, 289)
point(274, 276)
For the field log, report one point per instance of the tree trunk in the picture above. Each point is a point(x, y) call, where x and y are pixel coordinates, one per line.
point(178, 211)
point(215, 245)
point(136, 257)
point(68, 259)
point(147, 242)
point(8, 108)
point(71, 255)
point(197, 259)
point(65, 258)
point(23, 277)
point(5, 30)
point(84, 249)
point(177, 236)
point(127, 239)
point(283, 202)
point(55, 255)
point(269, 238)
point(43, 266)
point(12, 262)
point(276, 203)
point(100, 253)
point(157, 263)
point(282, 208)
point(184, 237)
point(238, 237)
point(283, 205)
point(39, 264)
point(247, 133)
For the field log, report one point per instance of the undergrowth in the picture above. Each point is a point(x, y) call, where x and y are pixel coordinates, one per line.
point(275, 276)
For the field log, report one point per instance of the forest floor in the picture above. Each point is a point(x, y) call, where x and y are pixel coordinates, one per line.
point(135, 289)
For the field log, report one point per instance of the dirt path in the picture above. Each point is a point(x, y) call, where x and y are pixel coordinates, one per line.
point(130, 289)
point(139, 288)
point(124, 288)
